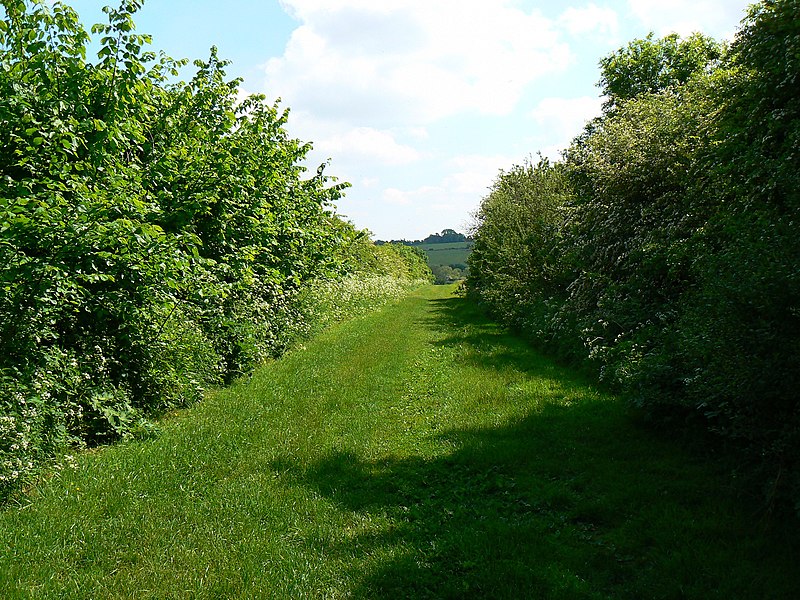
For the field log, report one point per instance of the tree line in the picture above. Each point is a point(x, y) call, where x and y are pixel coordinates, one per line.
point(157, 237)
point(663, 250)
point(446, 236)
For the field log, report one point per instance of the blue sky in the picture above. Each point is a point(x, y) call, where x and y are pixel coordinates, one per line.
point(419, 103)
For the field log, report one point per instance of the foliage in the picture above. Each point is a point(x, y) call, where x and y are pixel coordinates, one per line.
point(630, 222)
point(405, 262)
point(447, 236)
point(447, 274)
point(674, 271)
point(741, 329)
point(517, 267)
point(375, 275)
point(326, 302)
point(393, 259)
point(155, 237)
point(652, 65)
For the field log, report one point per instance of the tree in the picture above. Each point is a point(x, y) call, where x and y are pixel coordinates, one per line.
point(445, 237)
point(652, 65)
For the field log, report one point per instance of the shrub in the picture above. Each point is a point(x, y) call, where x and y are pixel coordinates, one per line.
point(666, 248)
point(153, 235)
point(518, 267)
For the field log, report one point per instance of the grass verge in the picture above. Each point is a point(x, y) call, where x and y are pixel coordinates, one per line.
point(418, 452)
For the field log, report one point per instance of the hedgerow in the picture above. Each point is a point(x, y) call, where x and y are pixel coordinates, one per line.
point(156, 237)
point(663, 250)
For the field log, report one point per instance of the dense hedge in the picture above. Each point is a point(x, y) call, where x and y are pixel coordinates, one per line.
point(156, 238)
point(665, 249)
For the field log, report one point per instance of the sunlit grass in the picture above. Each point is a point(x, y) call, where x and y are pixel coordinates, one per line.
point(417, 452)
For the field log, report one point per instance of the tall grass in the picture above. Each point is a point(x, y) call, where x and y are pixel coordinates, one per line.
point(326, 302)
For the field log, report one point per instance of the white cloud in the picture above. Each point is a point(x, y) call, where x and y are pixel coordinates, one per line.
point(372, 82)
point(561, 119)
point(242, 94)
point(398, 197)
point(471, 175)
point(712, 17)
point(553, 152)
point(412, 61)
point(591, 20)
point(419, 133)
point(368, 182)
point(423, 210)
point(367, 143)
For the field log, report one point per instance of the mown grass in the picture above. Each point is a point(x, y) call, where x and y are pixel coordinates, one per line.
point(419, 452)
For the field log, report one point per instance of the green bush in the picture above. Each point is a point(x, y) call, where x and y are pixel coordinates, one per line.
point(741, 328)
point(377, 275)
point(631, 221)
point(154, 236)
point(393, 259)
point(664, 251)
point(518, 266)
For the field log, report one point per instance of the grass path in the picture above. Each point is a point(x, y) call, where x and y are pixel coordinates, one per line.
point(419, 452)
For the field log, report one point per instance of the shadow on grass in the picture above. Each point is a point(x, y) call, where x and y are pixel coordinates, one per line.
point(465, 325)
point(568, 502)
point(472, 524)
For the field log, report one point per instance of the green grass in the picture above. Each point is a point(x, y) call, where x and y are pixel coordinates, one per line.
point(419, 452)
point(454, 253)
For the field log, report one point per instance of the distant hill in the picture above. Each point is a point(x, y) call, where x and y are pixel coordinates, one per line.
point(446, 251)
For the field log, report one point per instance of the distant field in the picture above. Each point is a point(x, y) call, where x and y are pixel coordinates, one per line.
point(454, 253)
